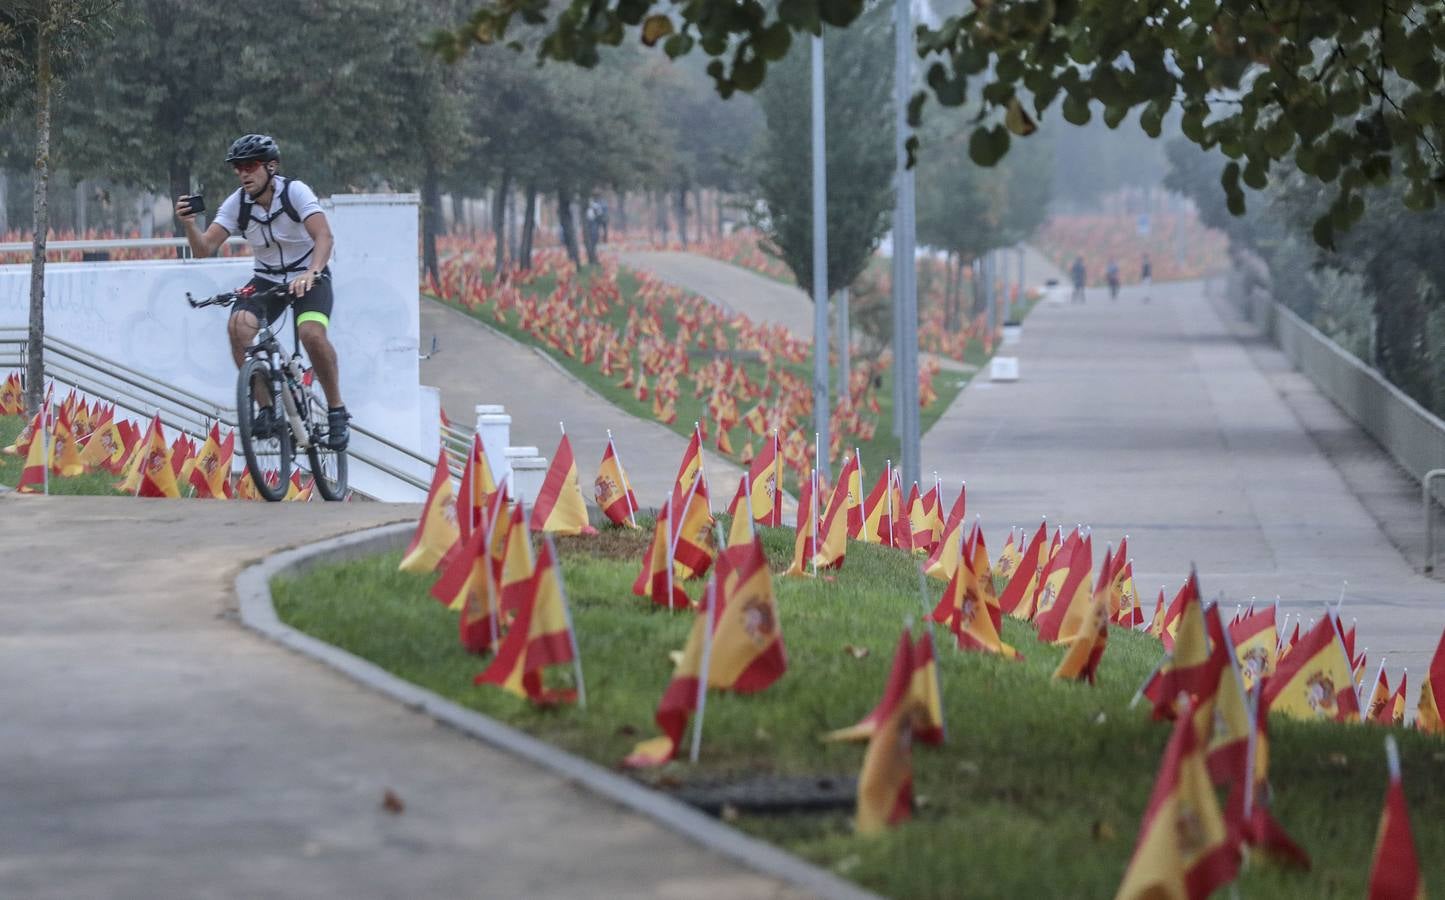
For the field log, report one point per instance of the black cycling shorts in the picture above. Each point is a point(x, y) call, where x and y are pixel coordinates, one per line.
point(315, 306)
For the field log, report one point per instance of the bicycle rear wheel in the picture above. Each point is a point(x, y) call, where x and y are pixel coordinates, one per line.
point(267, 456)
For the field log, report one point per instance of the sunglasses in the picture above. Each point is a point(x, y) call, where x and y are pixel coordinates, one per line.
point(246, 166)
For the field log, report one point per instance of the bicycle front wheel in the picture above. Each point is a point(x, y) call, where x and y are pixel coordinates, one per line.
point(268, 455)
point(328, 467)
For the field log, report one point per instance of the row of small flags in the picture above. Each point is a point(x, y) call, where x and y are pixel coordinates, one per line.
point(1217, 680)
point(78, 436)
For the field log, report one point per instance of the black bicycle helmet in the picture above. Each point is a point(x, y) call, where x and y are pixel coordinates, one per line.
point(253, 146)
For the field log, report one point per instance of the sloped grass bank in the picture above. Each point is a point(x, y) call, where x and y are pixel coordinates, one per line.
point(1038, 790)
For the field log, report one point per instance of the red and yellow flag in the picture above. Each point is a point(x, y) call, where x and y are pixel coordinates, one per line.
point(1380, 709)
point(540, 636)
point(1185, 849)
point(885, 785)
point(1432, 694)
point(106, 446)
point(157, 475)
point(1086, 647)
point(806, 537)
point(746, 653)
point(12, 399)
point(944, 560)
point(476, 486)
point(657, 579)
point(32, 476)
point(688, 469)
point(560, 508)
point(1315, 681)
point(1255, 641)
point(965, 609)
point(613, 493)
point(1017, 597)
point(436, 530)
point(874, 527)
point(693, 539)
point(1008, 558)
point(1186, 668)
point(64, 449)
point(1395, 869)
point(1066, 599)
point(915, 663)
point(833, 535)
point(765, 483)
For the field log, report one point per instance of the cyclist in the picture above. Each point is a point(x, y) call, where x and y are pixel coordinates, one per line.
point(291, 244)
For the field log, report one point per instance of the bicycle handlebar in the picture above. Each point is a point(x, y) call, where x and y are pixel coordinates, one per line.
point(226, 298)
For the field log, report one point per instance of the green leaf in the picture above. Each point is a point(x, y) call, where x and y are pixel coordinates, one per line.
point(1076, 109)
point(772, 44)
point(1323, 232)
point(986, 146)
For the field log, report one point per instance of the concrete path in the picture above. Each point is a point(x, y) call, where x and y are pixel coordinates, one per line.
point(1155, 420)
point(150, 747)
point(479, 365)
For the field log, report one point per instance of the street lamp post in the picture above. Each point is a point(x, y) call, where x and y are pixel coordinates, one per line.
point(821, 407)
point(905, 286)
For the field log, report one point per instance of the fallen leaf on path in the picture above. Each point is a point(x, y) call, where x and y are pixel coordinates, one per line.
point(392, 803)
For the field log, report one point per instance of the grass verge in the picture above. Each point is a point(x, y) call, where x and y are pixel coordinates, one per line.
point(1038, 791)
point(90, 484)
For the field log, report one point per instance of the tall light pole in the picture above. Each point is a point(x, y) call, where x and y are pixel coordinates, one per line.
point(821, 407)
point(905, 286)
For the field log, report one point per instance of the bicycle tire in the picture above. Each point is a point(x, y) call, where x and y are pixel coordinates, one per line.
point(329, 487)
point(253, 449)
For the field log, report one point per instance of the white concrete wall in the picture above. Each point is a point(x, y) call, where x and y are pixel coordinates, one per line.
point(136, 314)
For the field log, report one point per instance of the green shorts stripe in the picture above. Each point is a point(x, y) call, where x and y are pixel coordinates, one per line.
point(314, 316)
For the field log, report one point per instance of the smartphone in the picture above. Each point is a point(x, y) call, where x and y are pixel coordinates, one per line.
point(196, 203)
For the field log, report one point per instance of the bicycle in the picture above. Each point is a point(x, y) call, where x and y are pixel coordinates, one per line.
point(303, 425)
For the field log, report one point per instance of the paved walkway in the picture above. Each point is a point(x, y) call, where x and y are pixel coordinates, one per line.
point(1154, 419)
point(150, 747)
point(478, 365)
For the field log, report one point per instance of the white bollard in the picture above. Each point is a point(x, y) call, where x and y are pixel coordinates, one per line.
point(528, 473)
point(495, 429)
point(1003, 368)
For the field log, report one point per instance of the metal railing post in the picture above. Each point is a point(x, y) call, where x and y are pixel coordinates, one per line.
point(1429, 498)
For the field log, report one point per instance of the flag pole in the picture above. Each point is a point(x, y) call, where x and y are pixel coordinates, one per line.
point(748, 502)
point(1359, 696)
point(888, 503)
point(571, 629)
point(813, 521)
point(709, 600)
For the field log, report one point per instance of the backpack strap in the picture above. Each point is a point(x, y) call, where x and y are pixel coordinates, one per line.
point(286, 204)
point(243, 219)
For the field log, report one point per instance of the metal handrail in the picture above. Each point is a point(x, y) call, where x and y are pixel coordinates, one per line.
point(107, 244)
point(188, 401)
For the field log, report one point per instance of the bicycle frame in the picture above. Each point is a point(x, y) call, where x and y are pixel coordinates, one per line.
point(287, 373)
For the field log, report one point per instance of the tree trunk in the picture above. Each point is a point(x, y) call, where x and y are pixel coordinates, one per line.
point(697, 197)
point(82, 218)
point(529, 225)
point(591, 229)
point(431, 219)
point(717, 205)
point(568, 226)
point(682, 215)
point(499, 222)
point(659, 216)
point(35, 370)
point(621, 210)
point(4, 202)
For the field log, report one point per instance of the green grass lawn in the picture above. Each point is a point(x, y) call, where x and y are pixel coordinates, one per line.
point(94, 483)
point(1038, 790)
point(884, 445)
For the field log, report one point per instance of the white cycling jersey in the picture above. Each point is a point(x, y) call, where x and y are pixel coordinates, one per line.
point(280, 245)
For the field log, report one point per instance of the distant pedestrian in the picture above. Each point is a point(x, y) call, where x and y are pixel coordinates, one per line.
point(1146, 276)
point(1111, 275)
point(1077, 271)
point(602, 219)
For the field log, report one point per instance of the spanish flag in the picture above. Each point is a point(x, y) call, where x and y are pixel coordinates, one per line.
point(746, 653)
point(741, 530)
point(560, 508)
point(1397, 706)
point(915, 663)
point(1016, 599)
point(613, 494)
point(885, 785)
point(471, 581)
point(1186, 668)
point(12, 401)
point(1379, 709)
point(1256, 826)
point(1124, 596)
point(1432, 694)
point(33, 474)
point(943, 561)
point(1184, 848)
point(212, 470)
point(1395, 870)
point(106, 447)
point(1255, 641)
point(1008, 558)
point(436, 530)
point(1222, 715)
point(967, 613)
point(805, 541)
point(657, 579)
point(1086, 647)
point(157, 476)
point(1315, 680)
point(64, 451)
point(693, 538)
point(833, 536)
point(477, 485)
point(540, 636)
point(765, 483)
point(1061, 617)
point(874, 526)
point(688, 469)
